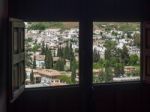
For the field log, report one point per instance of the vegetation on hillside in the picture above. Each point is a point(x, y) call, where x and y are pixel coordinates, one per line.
point(45, 25)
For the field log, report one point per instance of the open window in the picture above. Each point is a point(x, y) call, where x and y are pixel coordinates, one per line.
point(18, 78)
point(116, 52)
point(51, 54)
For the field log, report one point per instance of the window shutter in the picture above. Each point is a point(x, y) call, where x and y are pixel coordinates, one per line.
point(16, 58)
point(146, 52)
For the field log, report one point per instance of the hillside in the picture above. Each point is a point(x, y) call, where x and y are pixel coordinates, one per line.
point(45, 25)
point(123, 26)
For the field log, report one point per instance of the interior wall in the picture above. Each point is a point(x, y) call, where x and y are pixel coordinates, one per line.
point(103, 10)
point(106, 98)
point(3, 37)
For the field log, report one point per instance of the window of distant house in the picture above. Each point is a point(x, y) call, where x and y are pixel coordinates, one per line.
point(51, 53)
point(116, 51)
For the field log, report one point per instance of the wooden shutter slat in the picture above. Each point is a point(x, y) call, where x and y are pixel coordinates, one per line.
point(146, 51)
point(17, 58)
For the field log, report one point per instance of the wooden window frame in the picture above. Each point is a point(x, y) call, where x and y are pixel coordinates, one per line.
point(86, 63)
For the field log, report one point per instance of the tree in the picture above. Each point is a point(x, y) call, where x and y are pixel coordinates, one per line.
point(110, 49)
point(28, 59)
point(73, 70)
point(43, 48)
point(31, 77)
point(96, 56)
point(34, 62)
point(48, 60)
point(66, 51)
point(136, 38)
point(125, 55)
point(60, 64)
point(60, 52)
point(35, 47)
point(134, 59)
point(71, 54)
point(111, 57)
point(118, 69)
point(108, 77)
point(46, 49)
point(65, 78)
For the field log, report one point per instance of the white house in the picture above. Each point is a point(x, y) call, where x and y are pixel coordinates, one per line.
point(40, 63)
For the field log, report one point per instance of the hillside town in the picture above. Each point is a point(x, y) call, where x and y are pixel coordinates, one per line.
point(52, 56)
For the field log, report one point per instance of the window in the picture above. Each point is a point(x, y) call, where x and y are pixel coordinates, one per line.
point(116, 51)
point(51, 53)
point(30, 72)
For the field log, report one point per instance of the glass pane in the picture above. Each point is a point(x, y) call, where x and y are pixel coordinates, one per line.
point(116, 51)
point(51, 53)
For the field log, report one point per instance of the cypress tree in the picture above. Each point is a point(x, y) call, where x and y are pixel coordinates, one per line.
point(60, 64)
point(48, 60)
point(73, 70)
point(34, 62)
point(125, 55)
point(60, 52)
point(31, 77)
point(43, 48)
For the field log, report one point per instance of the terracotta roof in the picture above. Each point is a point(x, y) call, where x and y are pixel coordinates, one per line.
point(40, 57)
point(48, 72)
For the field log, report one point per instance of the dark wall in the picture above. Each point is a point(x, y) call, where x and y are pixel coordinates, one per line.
point(3, 36)
point(133, 97)
point(49, 100)
point(104, 10)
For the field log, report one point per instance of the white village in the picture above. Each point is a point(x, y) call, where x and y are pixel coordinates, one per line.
point(52, 55)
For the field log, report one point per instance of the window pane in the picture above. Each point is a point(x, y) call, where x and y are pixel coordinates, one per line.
point(116, 51)
point(51, 53)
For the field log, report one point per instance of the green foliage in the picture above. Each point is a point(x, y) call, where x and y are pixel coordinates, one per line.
point(100, 78)
point(32, 77)
point(29, 39)
point(73, 70)
point(125, 55)
point(118, 69)
point(110, 49)
point(43, 48)
point(96, 56)
point(60, 52)
point(136, 38)
point(99, 64)
point(108, 77)
point(48, 59)
point(67, 52)
point(134, 60)
point(35, 47)
point(114, 33)
point(34, 62)
point(44, 25)
point(37, 26)
point(28, 49)
point(65, 78)
point(60, 64)
point(122, 26)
